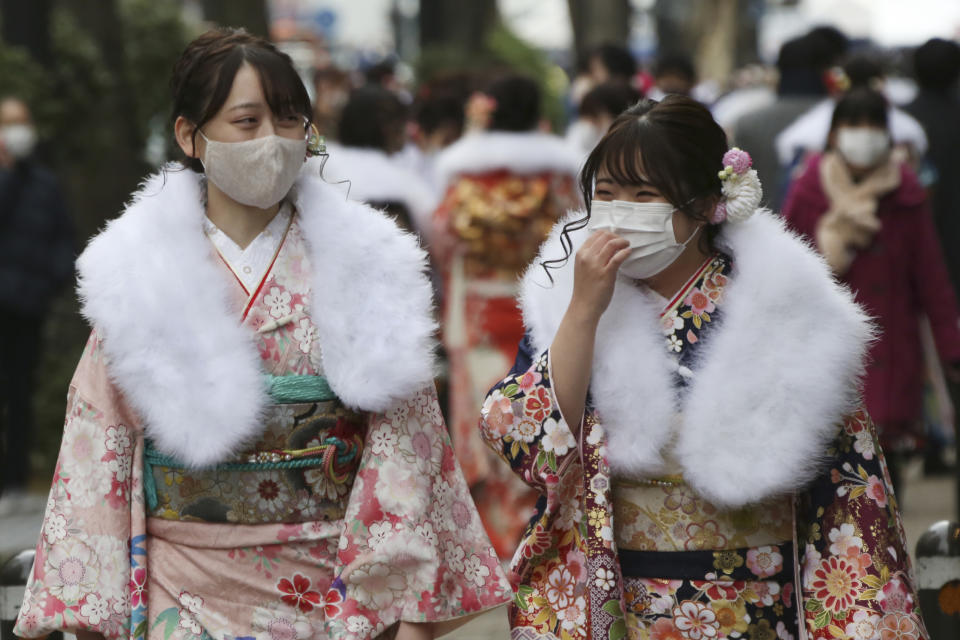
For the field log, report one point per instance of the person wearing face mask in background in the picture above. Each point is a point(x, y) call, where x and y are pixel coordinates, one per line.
point(36, 261)
point(864, 209)
point(685, 401)
point(599, 107)
point(253, 444)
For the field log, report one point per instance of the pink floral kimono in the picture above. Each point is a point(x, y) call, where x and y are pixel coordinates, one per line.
point(724, 483)
point(258, 458)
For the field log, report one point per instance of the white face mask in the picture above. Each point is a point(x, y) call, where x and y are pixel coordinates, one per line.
point(648, 227)
point(862, 146)
point(18, 139)
point(257, 172)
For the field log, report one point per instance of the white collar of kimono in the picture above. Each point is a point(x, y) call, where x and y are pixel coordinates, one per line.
point(770, 387)
point(250, 263)
point(150, 284)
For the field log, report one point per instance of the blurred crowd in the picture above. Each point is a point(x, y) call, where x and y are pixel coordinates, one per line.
point(855, 145)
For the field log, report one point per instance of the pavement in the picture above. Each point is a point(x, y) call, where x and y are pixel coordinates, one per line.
point(925, 501)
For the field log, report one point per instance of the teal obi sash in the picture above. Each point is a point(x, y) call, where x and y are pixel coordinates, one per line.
point(329, 456)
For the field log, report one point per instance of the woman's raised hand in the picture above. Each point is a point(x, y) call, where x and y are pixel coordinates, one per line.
point(595, 273)
point(594, 276)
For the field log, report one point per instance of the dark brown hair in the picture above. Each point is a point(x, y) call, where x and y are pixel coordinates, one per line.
point(203, 76)
point(518, 103)
point(675, 145)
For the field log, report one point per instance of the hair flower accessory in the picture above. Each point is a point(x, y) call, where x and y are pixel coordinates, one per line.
point(741, 188)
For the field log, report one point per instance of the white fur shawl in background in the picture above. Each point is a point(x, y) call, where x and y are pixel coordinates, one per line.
point(371, 175)
point(523, 153)
point(149, 284)
point(771, 382)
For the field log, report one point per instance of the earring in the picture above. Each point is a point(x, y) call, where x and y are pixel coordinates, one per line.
point(316, 143)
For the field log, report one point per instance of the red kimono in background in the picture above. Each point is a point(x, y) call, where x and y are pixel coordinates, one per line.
point(486, 230)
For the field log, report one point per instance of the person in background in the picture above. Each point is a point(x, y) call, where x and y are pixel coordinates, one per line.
point(808, 133)
point(800, 86)
point(866, 212)
point(505, 185)
point(673, 74)
point(604, 63)
point(936, 67)
point(36, 261)
point(936, 107)
point(372, 131)
point(437, 121)
point(598, 109)
point(332, 88)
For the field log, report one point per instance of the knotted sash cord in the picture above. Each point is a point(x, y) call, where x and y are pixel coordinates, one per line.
point(296, 389)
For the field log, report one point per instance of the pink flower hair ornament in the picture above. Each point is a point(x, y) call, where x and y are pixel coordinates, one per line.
point(741, 188)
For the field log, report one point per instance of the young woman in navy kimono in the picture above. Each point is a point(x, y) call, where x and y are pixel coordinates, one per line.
point(686, 400)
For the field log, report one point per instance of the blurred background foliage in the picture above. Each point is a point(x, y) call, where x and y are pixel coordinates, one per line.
point(99, 99)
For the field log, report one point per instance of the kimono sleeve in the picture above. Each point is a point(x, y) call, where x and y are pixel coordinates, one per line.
point(855, 574)
point(413, 548)
point(522, 423)
point(84, 567)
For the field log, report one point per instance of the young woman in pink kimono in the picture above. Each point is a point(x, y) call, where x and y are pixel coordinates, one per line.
point(687, 401)
point(253, 446)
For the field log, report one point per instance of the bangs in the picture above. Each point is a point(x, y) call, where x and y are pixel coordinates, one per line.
point(282, 87)
point(621, 157)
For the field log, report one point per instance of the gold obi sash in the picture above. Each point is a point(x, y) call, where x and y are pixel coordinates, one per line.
point(301, 469)
point(667, 515)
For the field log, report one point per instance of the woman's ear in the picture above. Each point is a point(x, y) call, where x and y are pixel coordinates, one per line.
point(183, 131)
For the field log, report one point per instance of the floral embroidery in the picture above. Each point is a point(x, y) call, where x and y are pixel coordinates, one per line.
point(695, 620)
point(836, 584)
point(694, 309)
point(297, 593)
point(854, 569)
point(100, 579)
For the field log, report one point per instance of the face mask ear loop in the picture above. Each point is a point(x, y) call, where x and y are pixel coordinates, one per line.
point(197, 151)
point(692, 236)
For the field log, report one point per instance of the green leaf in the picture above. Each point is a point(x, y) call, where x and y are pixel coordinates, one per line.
point(552, 461)
point(522, 594)
point(613, 607)
point(618, 630)
point(812, 605)
point(511, 390)
point(871, 581)
point(842, 615)
point(141, 630)
point(541, 459)
point(822, 619)
point(169, 618)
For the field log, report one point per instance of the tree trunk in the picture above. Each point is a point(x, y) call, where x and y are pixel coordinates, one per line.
point(459, 26)
point(249, 14)
point(27, 24)
point(720, 35)
point(117, 110)
point(717, 21)
point(597, 22)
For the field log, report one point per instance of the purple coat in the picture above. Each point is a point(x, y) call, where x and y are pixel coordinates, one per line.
point(897, 279)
